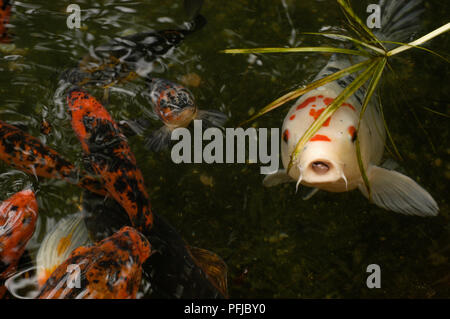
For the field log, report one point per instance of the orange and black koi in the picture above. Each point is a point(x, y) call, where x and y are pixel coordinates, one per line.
point(5, 13)
point(28, 154)
point(110, 156)
point(111, 269)
point(18, 215)
point(174, 270)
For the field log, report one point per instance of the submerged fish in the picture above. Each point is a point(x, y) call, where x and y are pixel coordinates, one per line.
point(110, 269)
point(27, 153)
point(175, 107)
point(110, 156)
point(18, 215)
point(68, 234)
point(174, 270)
point(125, 58)
point(328, 161)
point(5, 13)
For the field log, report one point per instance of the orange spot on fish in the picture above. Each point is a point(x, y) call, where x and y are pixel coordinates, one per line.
point(328, 101)
point(306, 102)
point(316, 113)
point(321, 138)
point(320, 96)
point(349, 105)
point(286, 136)
point(292, 117)
point(352, 132)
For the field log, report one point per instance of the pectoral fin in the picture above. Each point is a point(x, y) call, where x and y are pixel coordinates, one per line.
point(158, 140)
point(277, 178)
point(213, 266)
point(399, 193)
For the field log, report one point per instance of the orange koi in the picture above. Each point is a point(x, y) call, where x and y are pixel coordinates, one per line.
point(111, 269)
point(28, 154)
point(5, 13)
point(18, 215)
point(110, 156)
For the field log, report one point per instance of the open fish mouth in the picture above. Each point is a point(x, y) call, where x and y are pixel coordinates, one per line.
point(321, 167)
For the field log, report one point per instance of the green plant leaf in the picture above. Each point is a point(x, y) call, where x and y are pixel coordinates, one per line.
point(427, 37)
point(296, 50)
point(378, 71)
point(345, 37)
point(357, 24)
point(419, 47)
point(296, 93)
point(396, 152)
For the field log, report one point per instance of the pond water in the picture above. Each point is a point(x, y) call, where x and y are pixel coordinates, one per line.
point(275, 244)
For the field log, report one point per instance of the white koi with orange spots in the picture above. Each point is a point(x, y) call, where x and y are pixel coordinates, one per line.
point(328, 161)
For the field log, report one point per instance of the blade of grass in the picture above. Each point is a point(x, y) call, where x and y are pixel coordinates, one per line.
point(353, 18)
point(378, 71)
point(388, 133)
point(345, 37)
point(435, 112)
point(402, 91)
point(296, 93)
point(419, 47)
point(427, 37)
point(333, 107)
point(296, 50)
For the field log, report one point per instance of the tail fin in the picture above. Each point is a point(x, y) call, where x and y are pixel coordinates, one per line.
point(69, 234)
point(399, 193)
point(158, 140)
point(399, 20)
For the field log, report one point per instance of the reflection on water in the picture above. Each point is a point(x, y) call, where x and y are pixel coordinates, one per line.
point(275, 244)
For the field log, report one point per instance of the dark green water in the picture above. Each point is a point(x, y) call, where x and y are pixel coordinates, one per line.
point(275, 244)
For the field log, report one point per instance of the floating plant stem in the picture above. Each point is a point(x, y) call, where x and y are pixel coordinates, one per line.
point(420, 41)
point(345, 37)
point(365, 32)
point(370, 90)
point(419, 47)
point(297, 50)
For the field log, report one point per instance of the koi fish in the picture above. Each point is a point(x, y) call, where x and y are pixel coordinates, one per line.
point(329, 161)
point(174, 270)
point(175, 107)
point(110, 156)
point(18, 215)
point(128, 57)
point(110, 269)
point(5, 13)
point(174, 265)
point(27, 153)
point(68, 234)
